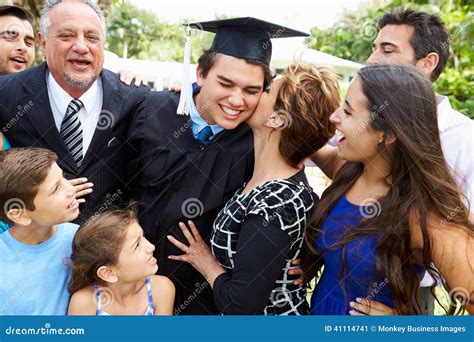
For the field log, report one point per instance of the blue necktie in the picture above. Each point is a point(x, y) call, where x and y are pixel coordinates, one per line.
point(205, 135)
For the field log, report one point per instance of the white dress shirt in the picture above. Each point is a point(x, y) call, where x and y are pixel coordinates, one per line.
point(88, 115)
point(456, 133)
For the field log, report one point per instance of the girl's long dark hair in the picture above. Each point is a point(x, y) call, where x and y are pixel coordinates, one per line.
point(420, 183)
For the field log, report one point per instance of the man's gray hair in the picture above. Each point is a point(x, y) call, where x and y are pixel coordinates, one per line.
point(49, 4)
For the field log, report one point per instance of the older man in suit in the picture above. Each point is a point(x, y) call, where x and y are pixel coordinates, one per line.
point(73, 106)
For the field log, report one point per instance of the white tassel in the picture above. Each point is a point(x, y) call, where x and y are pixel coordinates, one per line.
point(186, 98)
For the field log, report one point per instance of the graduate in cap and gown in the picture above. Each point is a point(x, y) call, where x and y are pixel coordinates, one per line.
point(196, 149)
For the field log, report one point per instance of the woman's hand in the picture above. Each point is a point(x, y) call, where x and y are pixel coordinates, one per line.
point(82, 188)
point(363, 307)
point(198, 254)
point(297, 271)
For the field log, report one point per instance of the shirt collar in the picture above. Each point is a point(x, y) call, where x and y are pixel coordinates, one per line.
point(62, 98)
point(443, 112)
point(199, 123)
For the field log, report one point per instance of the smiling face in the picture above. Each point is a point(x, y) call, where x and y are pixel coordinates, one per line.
point(358, 142)
point(230, 92)
point(55, 201)
point(17, 45)
point(136, 259)
point(74, 47)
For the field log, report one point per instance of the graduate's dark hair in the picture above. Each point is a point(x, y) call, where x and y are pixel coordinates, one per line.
point(306, 99)
point(97, 243)
point(208, 58)
point(429, 34)
point(421, 186)
point(22, 171)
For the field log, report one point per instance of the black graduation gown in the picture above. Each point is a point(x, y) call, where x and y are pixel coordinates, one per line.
point(178, 179)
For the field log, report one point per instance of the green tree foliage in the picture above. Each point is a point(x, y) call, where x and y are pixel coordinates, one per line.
point(140, 34)
point(352, 36)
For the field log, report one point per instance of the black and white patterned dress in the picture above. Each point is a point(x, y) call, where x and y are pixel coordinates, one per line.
point(255, 238)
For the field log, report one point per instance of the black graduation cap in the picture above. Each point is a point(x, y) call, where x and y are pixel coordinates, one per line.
point(246, 38)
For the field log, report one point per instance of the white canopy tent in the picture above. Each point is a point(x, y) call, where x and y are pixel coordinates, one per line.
point(345, 68)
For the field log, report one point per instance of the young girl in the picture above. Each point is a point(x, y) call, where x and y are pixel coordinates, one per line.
point(393, 205)
point(113, 270)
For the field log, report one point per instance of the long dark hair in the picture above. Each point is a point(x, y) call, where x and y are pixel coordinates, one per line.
point(420, 183)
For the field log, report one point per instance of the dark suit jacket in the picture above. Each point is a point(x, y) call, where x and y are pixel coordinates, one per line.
point(26, 119)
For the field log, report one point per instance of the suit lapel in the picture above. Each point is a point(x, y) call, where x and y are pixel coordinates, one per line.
point(42, 117)
point(108, 118)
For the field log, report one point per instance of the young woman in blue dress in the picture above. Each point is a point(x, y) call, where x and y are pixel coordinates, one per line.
point(393, 209)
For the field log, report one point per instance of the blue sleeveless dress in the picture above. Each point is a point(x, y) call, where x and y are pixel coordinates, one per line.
point(360, 278)
point(150, 310)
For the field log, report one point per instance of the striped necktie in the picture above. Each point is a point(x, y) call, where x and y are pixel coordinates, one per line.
point(71, 130)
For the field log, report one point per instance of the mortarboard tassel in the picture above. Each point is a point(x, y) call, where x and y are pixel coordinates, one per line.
point(186, 98)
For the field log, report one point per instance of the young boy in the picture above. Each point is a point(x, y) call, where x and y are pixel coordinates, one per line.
point(37, 203)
